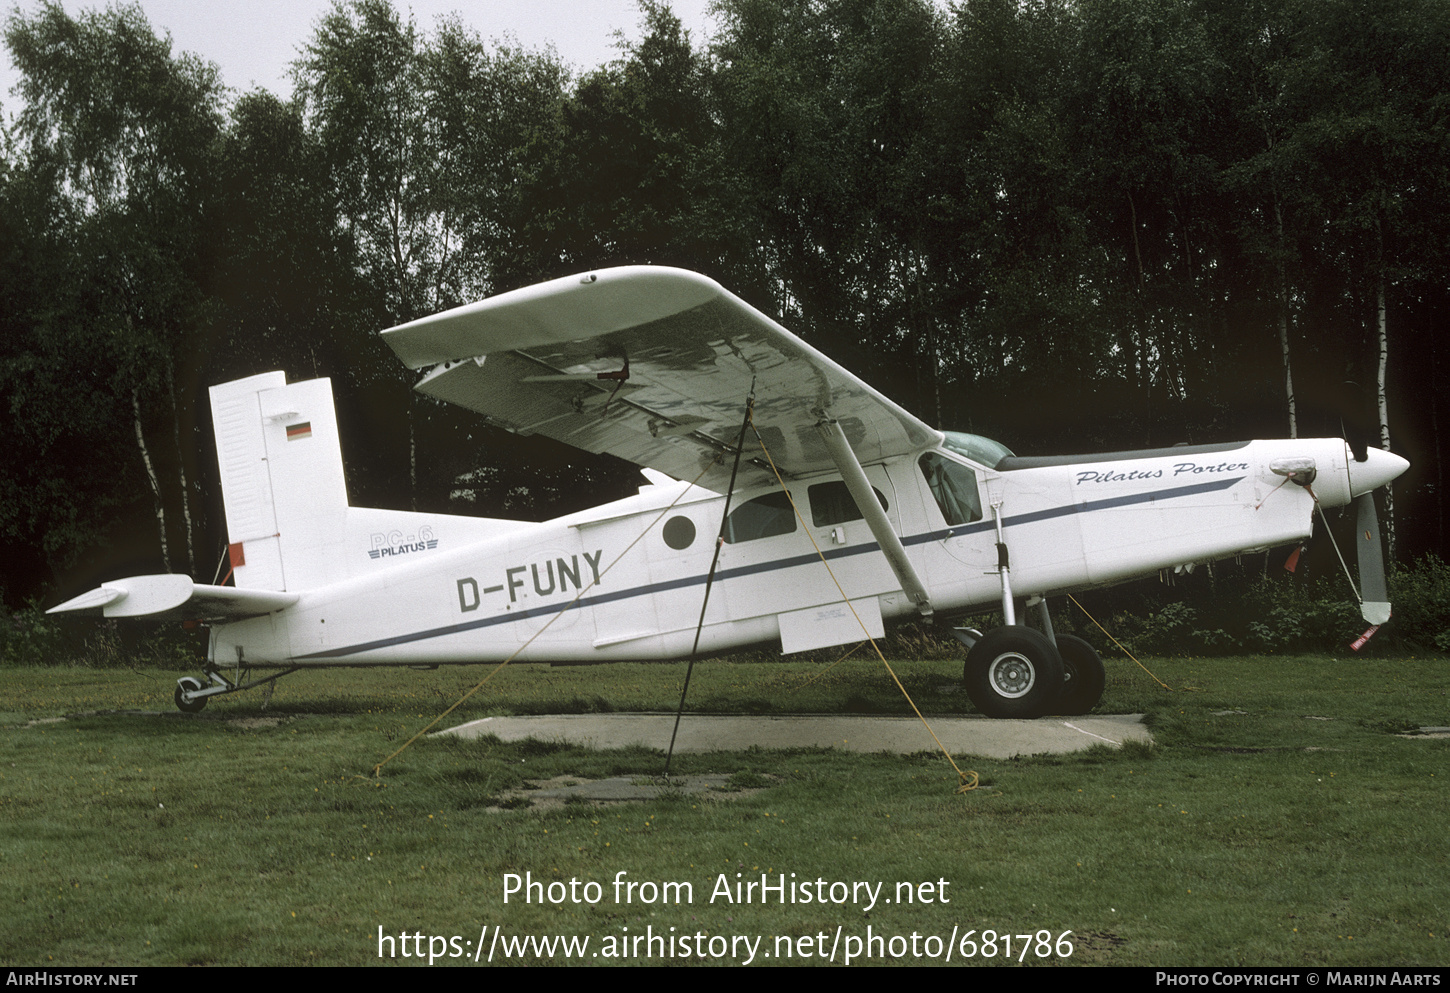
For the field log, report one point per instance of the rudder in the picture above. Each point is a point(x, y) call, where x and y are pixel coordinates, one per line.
point(282, 479)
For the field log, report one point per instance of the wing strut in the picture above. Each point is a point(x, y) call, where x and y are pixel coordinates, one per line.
point(860, 489)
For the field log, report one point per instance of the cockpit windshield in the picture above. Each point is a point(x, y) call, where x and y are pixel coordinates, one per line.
point(983, 451)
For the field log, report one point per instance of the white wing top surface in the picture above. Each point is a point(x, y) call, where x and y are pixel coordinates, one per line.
point(528, 359)
point(174, 596)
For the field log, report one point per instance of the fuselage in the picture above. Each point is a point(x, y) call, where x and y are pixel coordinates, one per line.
point(626, 580)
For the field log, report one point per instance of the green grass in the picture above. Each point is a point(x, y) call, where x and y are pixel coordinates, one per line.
point(1267, 837)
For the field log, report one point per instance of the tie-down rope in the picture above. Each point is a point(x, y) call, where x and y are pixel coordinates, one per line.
point(965, 784)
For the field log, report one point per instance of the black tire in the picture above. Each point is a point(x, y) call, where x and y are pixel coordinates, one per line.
point(1083, 676)
point(187, 683)
point(1013, 672)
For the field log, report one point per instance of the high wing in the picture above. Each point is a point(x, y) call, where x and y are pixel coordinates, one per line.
point(684, 354)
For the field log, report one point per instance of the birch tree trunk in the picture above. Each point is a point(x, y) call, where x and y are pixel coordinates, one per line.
point(1439, 460)
point(1142, 347)
point(181, 468)
point(151, 475)
point(1384, 349)
point(1284, 323)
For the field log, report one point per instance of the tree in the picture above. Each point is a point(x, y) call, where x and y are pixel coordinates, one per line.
point(630, 170)
point(58, 424)
point(361, 80)
point(830, 117)
point(428, 143)
point(1032, 281)
point(1367, 143)
point(496, 114)
point(123, 134)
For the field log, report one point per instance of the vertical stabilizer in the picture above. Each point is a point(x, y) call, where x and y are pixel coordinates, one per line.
point(282, 480)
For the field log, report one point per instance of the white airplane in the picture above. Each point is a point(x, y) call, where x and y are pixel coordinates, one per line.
point(657, 366)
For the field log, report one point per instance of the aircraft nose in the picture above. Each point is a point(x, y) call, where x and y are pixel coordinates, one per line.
point(1379, 468)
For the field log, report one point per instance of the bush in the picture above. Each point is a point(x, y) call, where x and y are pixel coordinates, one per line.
point(1420, 598)
point(1261, 613)
point(30, 636)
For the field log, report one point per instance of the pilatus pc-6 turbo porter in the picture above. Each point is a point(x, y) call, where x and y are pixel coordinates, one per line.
point(659, 366)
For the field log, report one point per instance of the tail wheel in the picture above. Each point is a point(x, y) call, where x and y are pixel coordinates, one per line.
point(188, 684)
point(1083, 676)
point(1013, 671)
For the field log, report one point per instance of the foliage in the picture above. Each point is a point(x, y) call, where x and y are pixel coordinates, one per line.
point(1243, 612)
point(30, 637)
point(1228, 611)
point(1262, 616)
point(1072, 226)
point(116, 145)
point(1420, 596)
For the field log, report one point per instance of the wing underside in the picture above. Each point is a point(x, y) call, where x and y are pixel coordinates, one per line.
point(655, 366)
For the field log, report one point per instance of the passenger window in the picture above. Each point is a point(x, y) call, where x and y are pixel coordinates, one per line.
point(831, 503)
point(762, 517)
point(954, 488)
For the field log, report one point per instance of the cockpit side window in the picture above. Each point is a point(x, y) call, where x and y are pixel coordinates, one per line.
point(762, 517)
point(832, 503)
point(954, 487)
point(983, 451)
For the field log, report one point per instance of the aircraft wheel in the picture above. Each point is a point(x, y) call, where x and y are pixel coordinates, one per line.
point(1013, 671)
point(185, 684)
point(1083, 676)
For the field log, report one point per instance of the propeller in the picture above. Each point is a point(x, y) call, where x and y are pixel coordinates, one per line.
point(1374, 594)
point(1377, 468)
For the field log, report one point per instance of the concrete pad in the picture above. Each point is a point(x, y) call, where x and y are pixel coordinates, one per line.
point(630, 788)
point(972, 735)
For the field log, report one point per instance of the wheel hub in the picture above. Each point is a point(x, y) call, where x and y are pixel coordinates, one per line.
point(1012, 675)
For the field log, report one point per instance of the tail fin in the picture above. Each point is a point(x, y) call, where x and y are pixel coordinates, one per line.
point(282, 480)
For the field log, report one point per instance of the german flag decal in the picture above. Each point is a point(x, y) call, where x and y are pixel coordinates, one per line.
point(296, 432)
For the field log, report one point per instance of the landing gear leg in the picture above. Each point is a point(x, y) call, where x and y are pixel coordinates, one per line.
point(191, 697)
point(185, 698)
point(1045, 616)
point(1012, 671)
point(1083, 676)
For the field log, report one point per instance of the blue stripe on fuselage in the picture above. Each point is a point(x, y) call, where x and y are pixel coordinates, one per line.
point(738, 572)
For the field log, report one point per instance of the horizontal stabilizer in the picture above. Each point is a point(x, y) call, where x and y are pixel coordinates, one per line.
point(174, 596)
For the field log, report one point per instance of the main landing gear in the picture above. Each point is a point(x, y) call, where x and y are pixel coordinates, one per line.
point(1082, 674)
point(1019, 672)
point(1013, 671)
point(192, 694)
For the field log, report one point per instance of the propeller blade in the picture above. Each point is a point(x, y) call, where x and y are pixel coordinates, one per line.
point(1374, 591)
